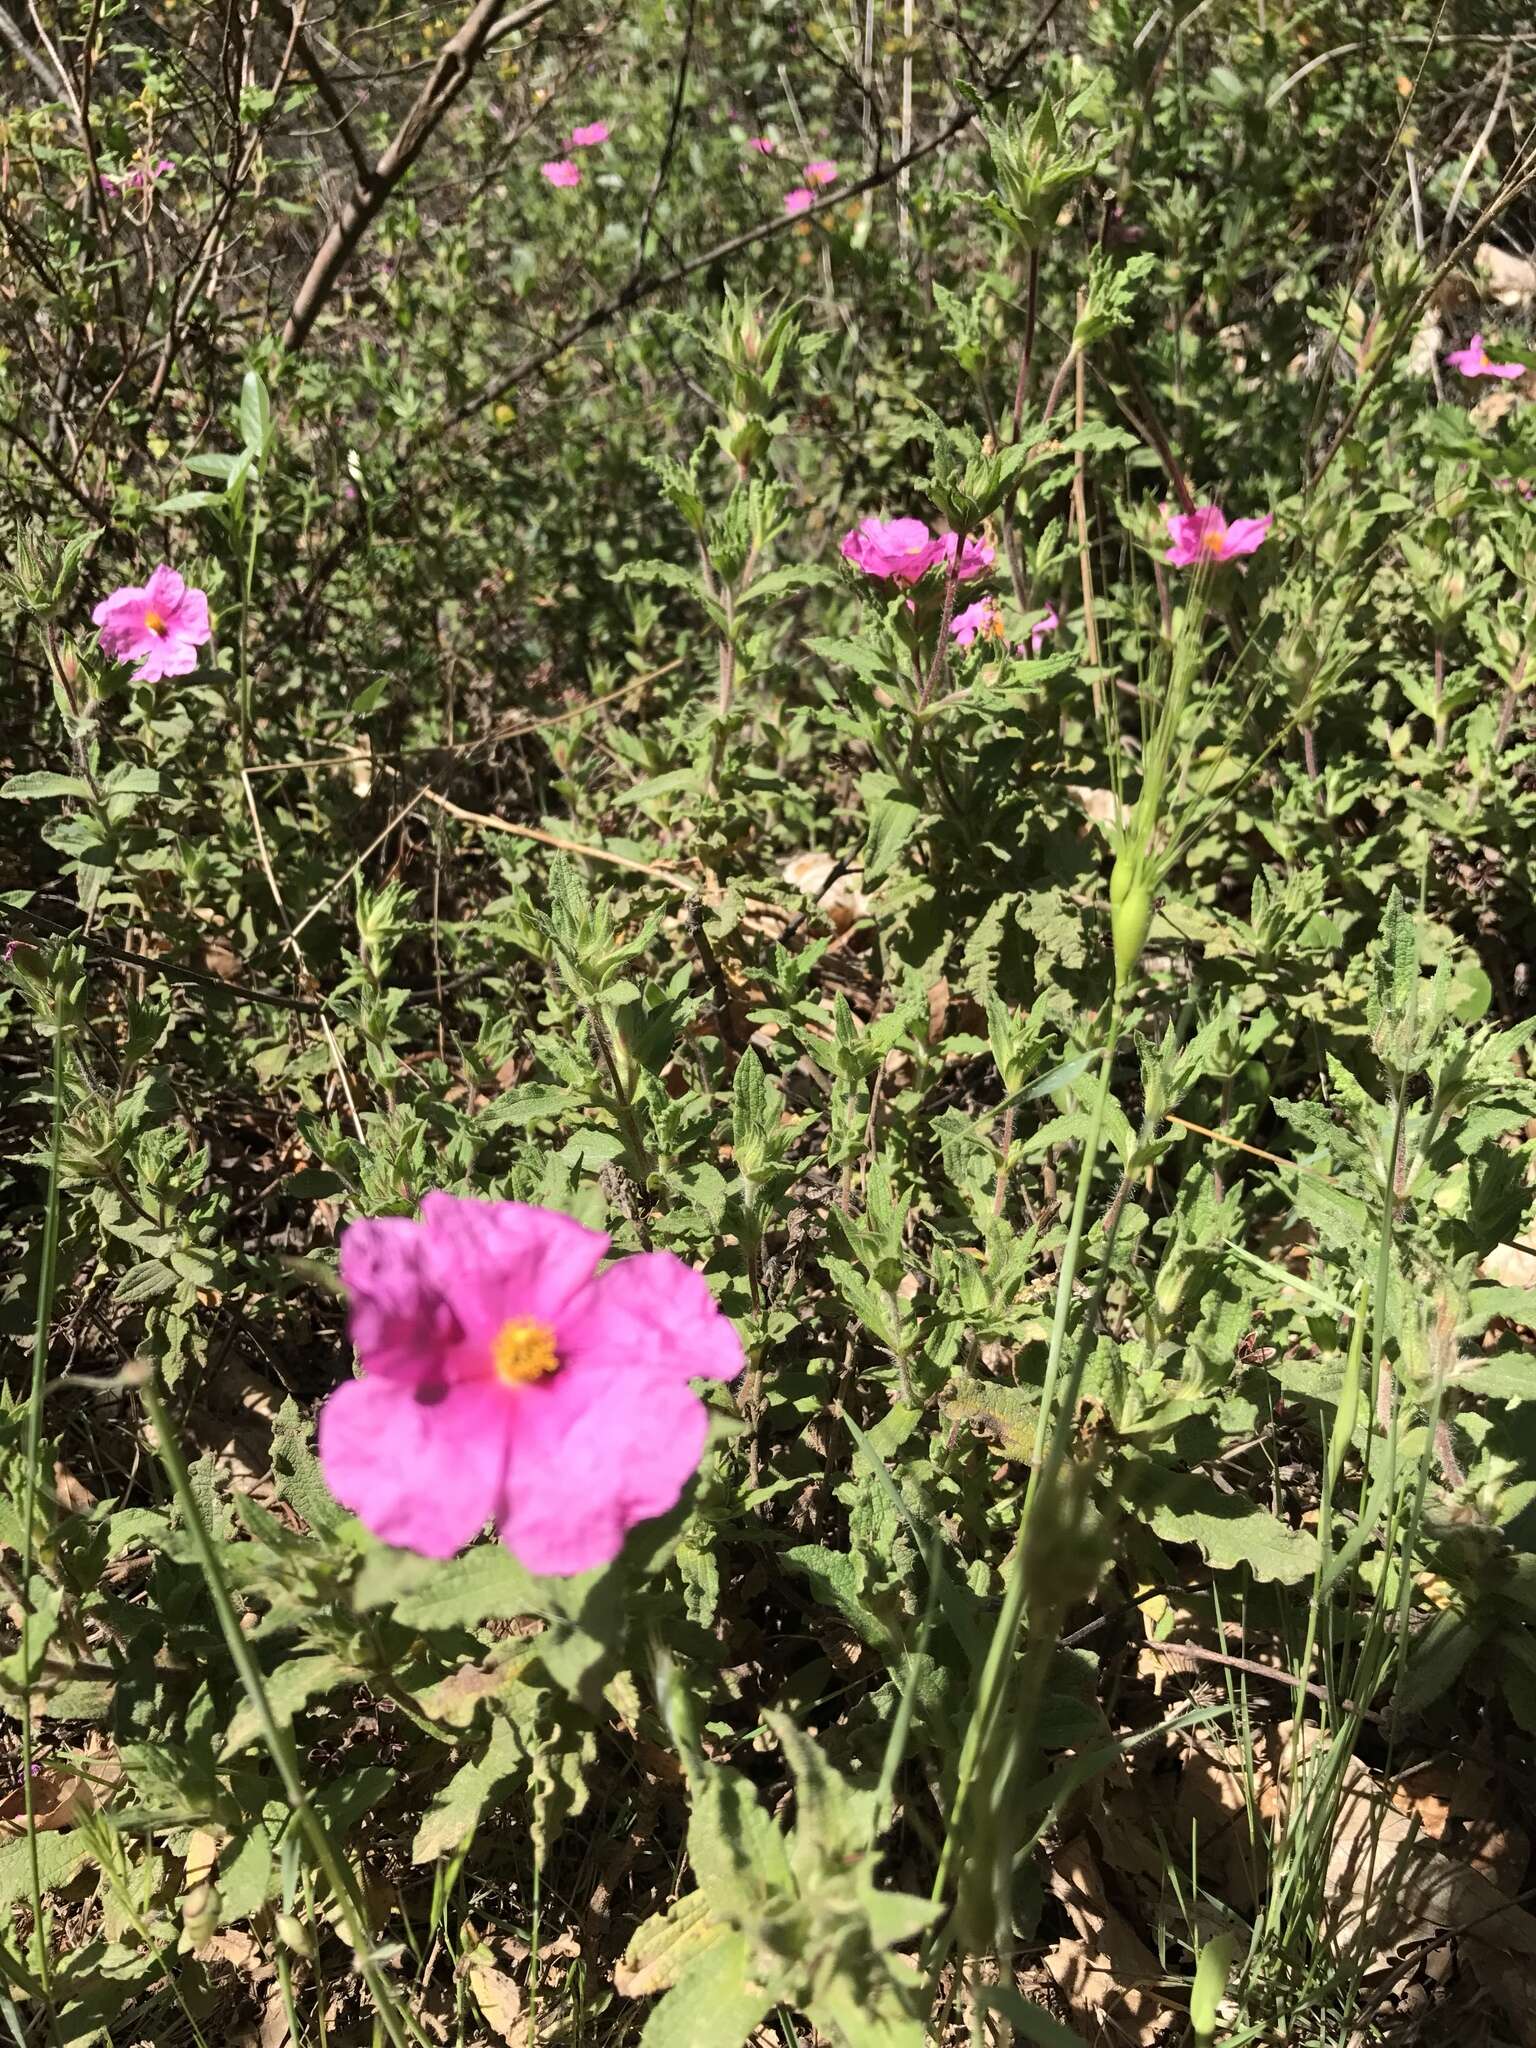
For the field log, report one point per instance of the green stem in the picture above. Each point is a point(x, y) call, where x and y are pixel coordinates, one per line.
point(278, 1740)
point(1000, 1650)
point(46, 1284)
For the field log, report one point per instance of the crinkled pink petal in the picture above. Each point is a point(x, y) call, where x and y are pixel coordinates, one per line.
point(650, 1313)
point(1046, 623)
point(821, 172)
point(165, 655)
point(1244, 535)
point(590, 136)
point(801, 200)
point(497, 1260)
point(592, 1455)
point(976, 557)
point(403, 1326)
point(165, 590)
point(902, 550)
point(121, 619)
point(424, 1475)
point(561, 172)
point(192, 617)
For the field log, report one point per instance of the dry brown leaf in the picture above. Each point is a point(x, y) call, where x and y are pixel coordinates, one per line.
point(841, 904)
point(1105, 1971)
point(499, 1998)
point(1099, 806)
point(1508, 1266)
point(1507, 280)
point(59, 1798)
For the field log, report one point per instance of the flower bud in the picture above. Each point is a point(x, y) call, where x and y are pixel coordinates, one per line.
point(1130, 912)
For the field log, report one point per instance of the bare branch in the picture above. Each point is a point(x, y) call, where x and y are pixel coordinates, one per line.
point(450, 75)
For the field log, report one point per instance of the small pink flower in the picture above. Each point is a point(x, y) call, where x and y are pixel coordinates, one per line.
point(1204, 536)
point(894, 550)
point(1046, 623)
point(821, 172)
point(590, 136)
point(111, 187)
point(982, 617)
point(505, 1380)
point(976, 557)
point(163, 165)
point(561, 172)
point(801, 200)
point(1473, 361)
point(763, 144)
point(160, 626)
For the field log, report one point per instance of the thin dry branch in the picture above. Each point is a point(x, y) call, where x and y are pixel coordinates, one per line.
point(450, 74)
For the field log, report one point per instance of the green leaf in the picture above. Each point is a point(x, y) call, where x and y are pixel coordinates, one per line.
point(60, 1853)
point(1189, 1507)
point(664, 1947)
point(456, 1808)
point(190, 501)
point(424, 1593)
point(289, 1691)
point(43, 782)
point(297, 1471)
point(255, 414)
point(719, 1999)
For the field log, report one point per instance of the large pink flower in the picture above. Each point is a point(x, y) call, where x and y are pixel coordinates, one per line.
point(896, 550)
point(561, 172)
point(1473, 361)
point(505, 1380)
point(821, 172)
point(1205, 536)
point(160, 626)
point(590, 136)
point(801, 200)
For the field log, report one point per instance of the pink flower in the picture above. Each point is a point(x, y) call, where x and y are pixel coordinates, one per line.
point(590, 136)
point(981, 617)
point(763, 144)
point(821, 172)
point(505, 1380)
point(561, 172)
point(1472, 361)
point(895, 550)
point(1204, 536)
point(801, 200)
point(160, 626)
point(111, 187)
point(975, 558)
point(1046, 623)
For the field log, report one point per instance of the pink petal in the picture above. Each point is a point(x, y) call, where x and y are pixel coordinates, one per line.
point(424, 1475)
point(164, 591)
point(1244, 535)
point(121, 619)
point(495, 1260)
point(651, 1313)
point(403, 1326)
point(801, 200)
point(592, 1455)
point(167, 655)
point(191, 620)
point(821, 172)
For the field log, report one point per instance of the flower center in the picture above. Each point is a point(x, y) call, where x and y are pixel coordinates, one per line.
point(1214, 541)
point(154, 622)
point(523, 1350)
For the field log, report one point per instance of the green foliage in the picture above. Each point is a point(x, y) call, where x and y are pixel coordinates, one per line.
point(1091, 1074)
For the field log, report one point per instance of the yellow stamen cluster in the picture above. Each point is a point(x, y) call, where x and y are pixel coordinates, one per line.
point(523, 1350)
point(154, 622)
